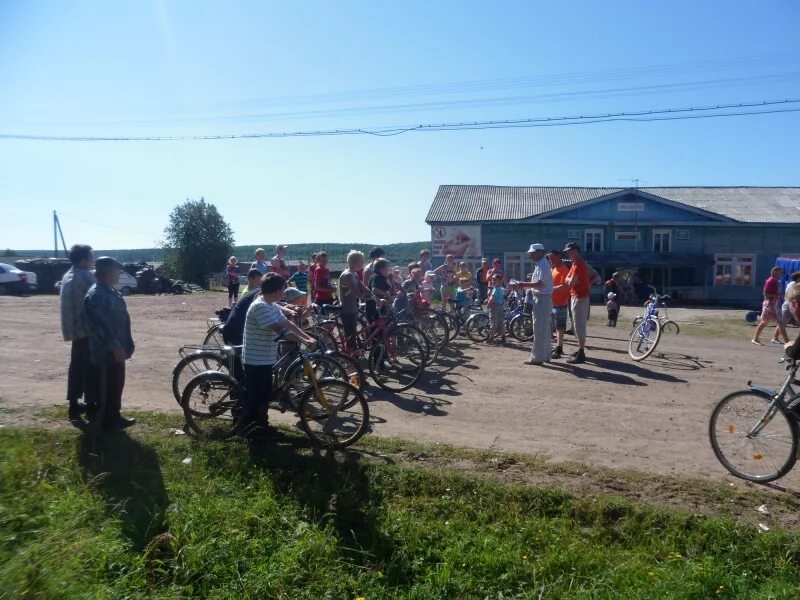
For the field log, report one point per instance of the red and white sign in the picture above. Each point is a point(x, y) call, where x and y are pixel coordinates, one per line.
point(459, 240)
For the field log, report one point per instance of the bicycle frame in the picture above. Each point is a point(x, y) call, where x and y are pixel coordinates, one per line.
point(778, 395)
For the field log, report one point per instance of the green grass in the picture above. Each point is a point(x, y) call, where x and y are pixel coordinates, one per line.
point(122, 516)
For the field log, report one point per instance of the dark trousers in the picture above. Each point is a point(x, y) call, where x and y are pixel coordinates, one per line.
point(349, 324)
point(104, 391)
point(258, 379)
point(482, 292)
point(79, 365)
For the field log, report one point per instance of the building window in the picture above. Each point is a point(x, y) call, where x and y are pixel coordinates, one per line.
point(517, 265)
point(734, 269)
point(682, 234)
point(627, 236)
point(593, 240)
point(662, 239)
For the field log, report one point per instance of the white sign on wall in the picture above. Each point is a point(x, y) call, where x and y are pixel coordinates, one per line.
point(630, 206)
point(462, 241)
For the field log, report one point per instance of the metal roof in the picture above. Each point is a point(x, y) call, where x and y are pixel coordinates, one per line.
point(465, 203)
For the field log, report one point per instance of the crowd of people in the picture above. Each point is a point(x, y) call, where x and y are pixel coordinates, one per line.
point(95, 319)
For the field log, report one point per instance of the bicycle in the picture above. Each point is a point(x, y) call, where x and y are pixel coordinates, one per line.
point(667, 324)
point(204, 358)
point(393, 352)
point(754, 432)
point(332, 412)
point(646, 334)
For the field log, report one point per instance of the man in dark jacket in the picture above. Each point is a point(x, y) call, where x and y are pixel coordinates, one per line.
point(110, 345)
point(481, 279)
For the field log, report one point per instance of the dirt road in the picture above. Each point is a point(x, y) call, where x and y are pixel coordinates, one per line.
point(650, 416)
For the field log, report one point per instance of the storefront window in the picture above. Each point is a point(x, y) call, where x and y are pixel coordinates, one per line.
point(733, 269)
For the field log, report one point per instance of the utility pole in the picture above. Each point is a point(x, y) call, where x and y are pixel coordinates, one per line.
point(56, 233)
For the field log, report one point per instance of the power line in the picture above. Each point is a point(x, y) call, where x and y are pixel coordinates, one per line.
point(666, 114)
point(107, 226)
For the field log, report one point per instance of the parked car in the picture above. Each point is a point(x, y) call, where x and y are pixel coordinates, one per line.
point(126, 285)
point(13, 281)
point(32, 280)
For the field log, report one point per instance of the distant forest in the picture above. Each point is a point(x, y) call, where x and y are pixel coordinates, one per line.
point(396, 253)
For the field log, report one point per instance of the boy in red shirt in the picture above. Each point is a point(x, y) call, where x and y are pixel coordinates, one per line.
point(579, 281)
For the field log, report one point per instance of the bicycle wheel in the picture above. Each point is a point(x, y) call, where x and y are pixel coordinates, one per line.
point(453, 325)
point(430, 349)
point(324, 335)
point(397, 363)
point(522, 328)
point(355, 374)
point(436, 321)
point(296, 381)
point(214, 337)
point(753, 436)
point(435, 334)
point(644, 339)
point(194, 364)
point(333, 414)
point(211, 403)
point(478, 327)
point(670, 326)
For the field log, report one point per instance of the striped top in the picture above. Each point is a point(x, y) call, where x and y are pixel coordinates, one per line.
point(260, 339)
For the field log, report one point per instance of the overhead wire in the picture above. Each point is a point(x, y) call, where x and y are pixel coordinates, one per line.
point(669, 114)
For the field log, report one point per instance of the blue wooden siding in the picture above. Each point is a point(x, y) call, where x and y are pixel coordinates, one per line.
point(653, 211)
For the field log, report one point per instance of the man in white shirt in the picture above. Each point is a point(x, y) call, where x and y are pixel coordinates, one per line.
point(541, 284)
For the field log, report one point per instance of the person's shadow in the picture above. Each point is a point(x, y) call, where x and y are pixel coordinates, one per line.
point(128, 475)
point(334, 489)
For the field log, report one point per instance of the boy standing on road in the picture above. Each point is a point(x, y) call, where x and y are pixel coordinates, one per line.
point(74, 285)
point(497, 299)
point(264, 324)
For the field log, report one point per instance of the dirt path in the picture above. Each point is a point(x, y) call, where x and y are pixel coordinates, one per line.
point(611, 412)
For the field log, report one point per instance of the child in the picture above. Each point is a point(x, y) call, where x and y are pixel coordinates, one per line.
point(381, 285)
point(351, 290)
point(613, 309)
point(296, 300)
point(464, 294)
point(401, 307)
point(497, 298)
point(427, 289)
point(233, 271)
point(463, 272)
point(300, 280)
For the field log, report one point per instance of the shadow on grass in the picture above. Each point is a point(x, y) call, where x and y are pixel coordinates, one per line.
point(128, 475)
point(334, 489)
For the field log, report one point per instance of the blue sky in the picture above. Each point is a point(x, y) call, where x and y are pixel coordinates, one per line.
point(161, 68)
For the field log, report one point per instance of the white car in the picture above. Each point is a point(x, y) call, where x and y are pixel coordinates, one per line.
point(126, 285)
point(12, 280)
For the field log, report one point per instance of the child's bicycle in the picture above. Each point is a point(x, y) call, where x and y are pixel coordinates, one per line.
point(395, 353)
point(479, 324)
point(754, 432)
point(332, 412)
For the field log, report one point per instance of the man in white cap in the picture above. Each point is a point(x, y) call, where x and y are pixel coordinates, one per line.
point(541, 284)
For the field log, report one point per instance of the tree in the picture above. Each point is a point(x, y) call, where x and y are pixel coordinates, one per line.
point(197, 241)
point(9, 252)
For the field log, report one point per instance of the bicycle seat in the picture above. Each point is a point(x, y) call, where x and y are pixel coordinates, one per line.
point(231, 351)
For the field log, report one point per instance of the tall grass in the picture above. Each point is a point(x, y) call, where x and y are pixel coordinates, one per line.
point(123, 516)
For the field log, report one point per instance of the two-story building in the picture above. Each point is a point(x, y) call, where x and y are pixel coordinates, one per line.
point(714, 244)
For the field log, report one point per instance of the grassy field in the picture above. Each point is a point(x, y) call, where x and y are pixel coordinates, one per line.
point(126, 516)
